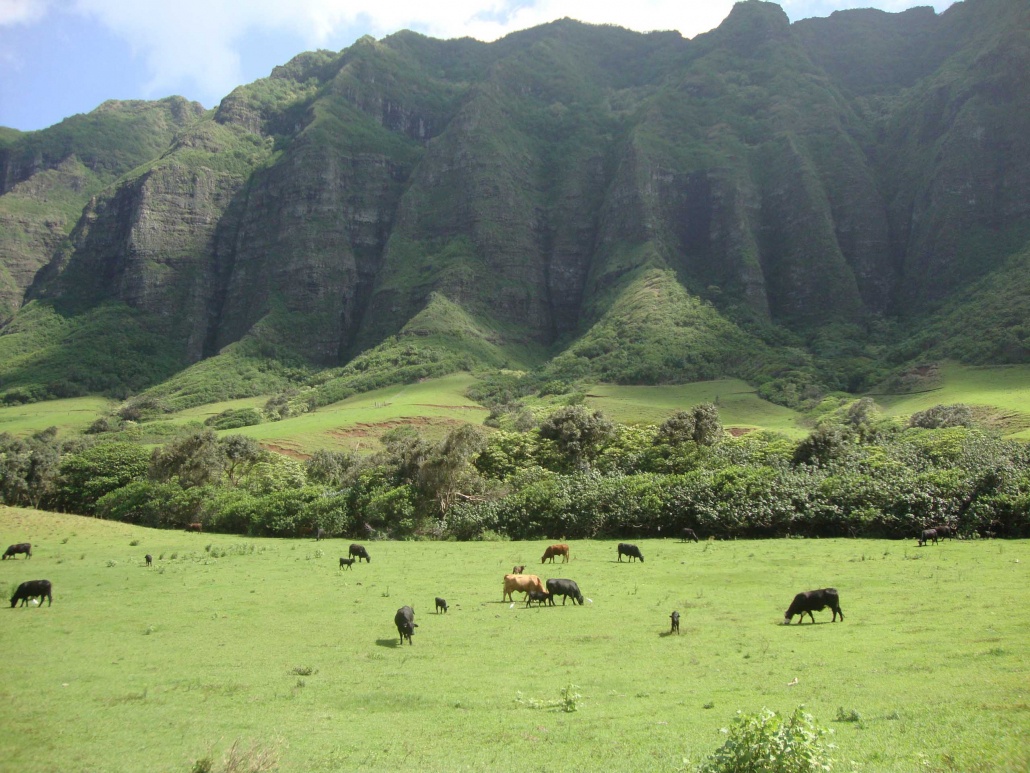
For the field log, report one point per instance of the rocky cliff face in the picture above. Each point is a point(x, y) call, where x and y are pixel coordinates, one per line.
point(788, 176)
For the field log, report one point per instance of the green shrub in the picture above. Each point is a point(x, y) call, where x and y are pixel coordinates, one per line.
point(767, 743)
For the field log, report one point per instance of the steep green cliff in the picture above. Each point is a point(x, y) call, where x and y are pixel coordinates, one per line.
point(634, 208)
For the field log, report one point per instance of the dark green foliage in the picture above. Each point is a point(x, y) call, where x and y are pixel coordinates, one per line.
point(941, 416)
point(330, 468)
point(234, 418)
point(194, 459)
point(577, 433)
point(89, 473)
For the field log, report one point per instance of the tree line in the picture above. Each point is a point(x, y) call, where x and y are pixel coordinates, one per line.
point(574, 475)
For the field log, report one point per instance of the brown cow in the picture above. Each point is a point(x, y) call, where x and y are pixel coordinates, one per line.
point(518, 569)
point(556, 550)
point(521, 583)
point(194, 527)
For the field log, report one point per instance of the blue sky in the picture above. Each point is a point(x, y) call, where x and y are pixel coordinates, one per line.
point(61, 57)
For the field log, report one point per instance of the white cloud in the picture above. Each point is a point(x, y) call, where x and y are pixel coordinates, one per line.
point(803, 9)
point(198, 40)
point(21, 11)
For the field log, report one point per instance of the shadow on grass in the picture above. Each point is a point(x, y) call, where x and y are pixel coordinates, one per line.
point(663, 634)
point(392, 643)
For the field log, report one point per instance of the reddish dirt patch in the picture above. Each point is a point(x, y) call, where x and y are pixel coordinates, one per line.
point(291, 452)
point(739, 431)
point(375, 429)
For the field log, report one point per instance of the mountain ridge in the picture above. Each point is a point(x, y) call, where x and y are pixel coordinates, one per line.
point(821, 201)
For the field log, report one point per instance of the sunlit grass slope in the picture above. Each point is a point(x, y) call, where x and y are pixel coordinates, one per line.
point(268, 642)
point(69, 415)
point(1001, 393)
point(739, 406)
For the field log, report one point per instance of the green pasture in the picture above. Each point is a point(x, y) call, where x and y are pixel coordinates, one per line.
point(1001, 391)
point(739, 406)
point(434, 406)
point(270, 644)
point(70, 415)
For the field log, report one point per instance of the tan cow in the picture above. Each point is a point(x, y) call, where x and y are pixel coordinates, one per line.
point(556, 550)
point(521, 583)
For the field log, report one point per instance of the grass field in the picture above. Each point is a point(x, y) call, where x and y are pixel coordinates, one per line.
point(1001, 392)
point(739, 406)
point(267, 642)
point(72, 415)
point(1000, 395)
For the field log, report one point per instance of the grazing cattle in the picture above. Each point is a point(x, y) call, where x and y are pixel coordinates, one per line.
point(556, 550)
point(13, 550)
point(689, 535)
point(194, 527)
point(926, 536)
point(441, 604)
point(564, 588)
point(33, 589)
point(944, 531)
point(538, 596)
point(518, 569)
point(625, 549)
point(320, 535)
point(405, 622)
point(360, 552)
point(675, 617)
point(813, 601)
point(521, 583)
point(348, 562)
point(150, 559)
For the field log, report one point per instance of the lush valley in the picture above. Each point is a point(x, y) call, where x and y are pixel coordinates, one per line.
point(811, 208)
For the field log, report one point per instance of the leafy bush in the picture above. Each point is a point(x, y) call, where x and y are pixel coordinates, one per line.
point(767, 743)
point(234, 418)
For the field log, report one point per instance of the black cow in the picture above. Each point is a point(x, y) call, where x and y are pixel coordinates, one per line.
point(564, 588)
point(441, 604)
point(675, 617)
point(689, 535)
point(405, 621)
point(13, 550)
point(348, 562)
point(926, 536)
point(33, 589)
point(320, 535)
point(625, 549)
point(538, 596)
point(813, 601)
point(944, 531)
point(360, 552)
point(150, 559)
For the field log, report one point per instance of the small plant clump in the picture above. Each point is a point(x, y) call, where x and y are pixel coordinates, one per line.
point(766, 742)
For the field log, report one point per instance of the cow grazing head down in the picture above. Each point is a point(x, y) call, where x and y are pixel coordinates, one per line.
point(441, 604)
point(405, 622)
point(556, 550)
point(20, 547)
point(359, 552)
point(564, 588)
point(813, 601)
point(33, 589)
point(928, 535)
point(630, 551)
point(520, 583)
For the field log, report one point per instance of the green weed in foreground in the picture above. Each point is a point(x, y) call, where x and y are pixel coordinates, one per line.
point(292, 659)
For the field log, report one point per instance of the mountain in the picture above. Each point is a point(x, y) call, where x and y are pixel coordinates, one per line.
point(791, 204)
